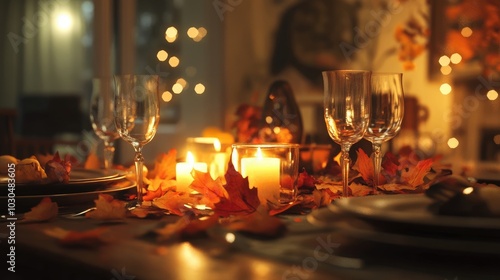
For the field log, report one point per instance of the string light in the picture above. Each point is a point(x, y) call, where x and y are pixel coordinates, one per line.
point(453, 143)
point(492, 95)
point(199, 88)
point(162, 55)
point(445, 89)
point(166, 96)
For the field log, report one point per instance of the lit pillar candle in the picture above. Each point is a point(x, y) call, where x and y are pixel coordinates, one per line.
point(218, 163)
point(264, 174)
point(183, 172)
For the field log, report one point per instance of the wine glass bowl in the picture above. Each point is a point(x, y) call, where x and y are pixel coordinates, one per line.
point(387, 111)
point(346, 111)
point(136, 116)
point(102, 116)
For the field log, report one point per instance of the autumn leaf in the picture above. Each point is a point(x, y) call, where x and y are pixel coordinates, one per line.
point(80, 239)
point(359, 189)
point(158, 187)
point(92, 162)
point(259, 223)
point(164, 167)
point(186, 227)
point(209, 188)
point(175, 202)
point(241, 199)
point(58, 170)
point(415, 175)
point(305, 180)
point(107, 208)
point(46, 210)
point(364, 166)
point(390, 164)
point(396, 188)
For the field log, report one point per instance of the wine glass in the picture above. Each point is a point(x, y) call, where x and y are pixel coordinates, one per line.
point(347, 111)
point(137, 115)
point(387, 110)
point(102, 117)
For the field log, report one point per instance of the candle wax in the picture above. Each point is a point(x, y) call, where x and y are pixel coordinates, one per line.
point(183, 174)
point(264, 174)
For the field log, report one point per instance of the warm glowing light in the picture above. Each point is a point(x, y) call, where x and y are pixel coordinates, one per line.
point(445, 70)
point(269, 119)
point(174, 61)
point(466, 32)
point(455, 58)
point(64, 21)
point(444, 60)
point(230, 237)
point(190, 158)
point(199, 88)
point(166, 96)
point(492, 95)
point(192, 32)
point(496, 139)
point(162, 55)
point(182, 82)
point(171, 34)
point(453, 143)
point(202, 32)
point(177, 88)
point(468, 190)
point(445, 89)
point(276, 130)
point(217, 145)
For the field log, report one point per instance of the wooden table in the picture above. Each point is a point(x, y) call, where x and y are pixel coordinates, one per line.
point(131, 253)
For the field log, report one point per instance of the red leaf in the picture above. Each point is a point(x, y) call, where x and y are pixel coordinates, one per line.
point(305, 180)
point(390, 164)
point(241, 199)
point(58, 170)
point(80, 239)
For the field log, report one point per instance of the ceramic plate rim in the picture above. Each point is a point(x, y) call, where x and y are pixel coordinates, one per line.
point(375, 208)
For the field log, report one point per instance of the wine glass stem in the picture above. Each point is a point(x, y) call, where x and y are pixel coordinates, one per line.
point(109, 152)
point(139, 162)
point(344, 161)
point(377, 162)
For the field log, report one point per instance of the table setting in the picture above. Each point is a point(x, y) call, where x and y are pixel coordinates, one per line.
point(251, 209)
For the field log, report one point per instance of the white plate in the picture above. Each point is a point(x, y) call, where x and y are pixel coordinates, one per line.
point(354, 228)
point(81, 180)
point(409, 209)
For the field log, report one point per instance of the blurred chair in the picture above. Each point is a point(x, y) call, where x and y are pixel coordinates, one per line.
point(7, 138)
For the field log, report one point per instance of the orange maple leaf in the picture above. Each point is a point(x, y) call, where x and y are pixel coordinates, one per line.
point(107, 208)
point(46, 210)
point(414, 176)
point(390, 164)
point(175, 202)
point(364, 166)
point(241, 198)
point(211, 189)
point(164, 167)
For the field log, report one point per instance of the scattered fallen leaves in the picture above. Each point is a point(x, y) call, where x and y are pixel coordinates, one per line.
point(258, 223)
point(107, 208)
point(80, 239)
point(46, 210)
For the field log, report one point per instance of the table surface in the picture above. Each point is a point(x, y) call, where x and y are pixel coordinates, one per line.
point(131, 253)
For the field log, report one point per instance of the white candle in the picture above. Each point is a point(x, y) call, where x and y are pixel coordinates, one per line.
point(218, 163)
point(183, 172)
point(264, 174)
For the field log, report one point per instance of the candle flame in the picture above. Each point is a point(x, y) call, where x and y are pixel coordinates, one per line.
point(190, 158)
point(217, 145)
point(259, 153)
